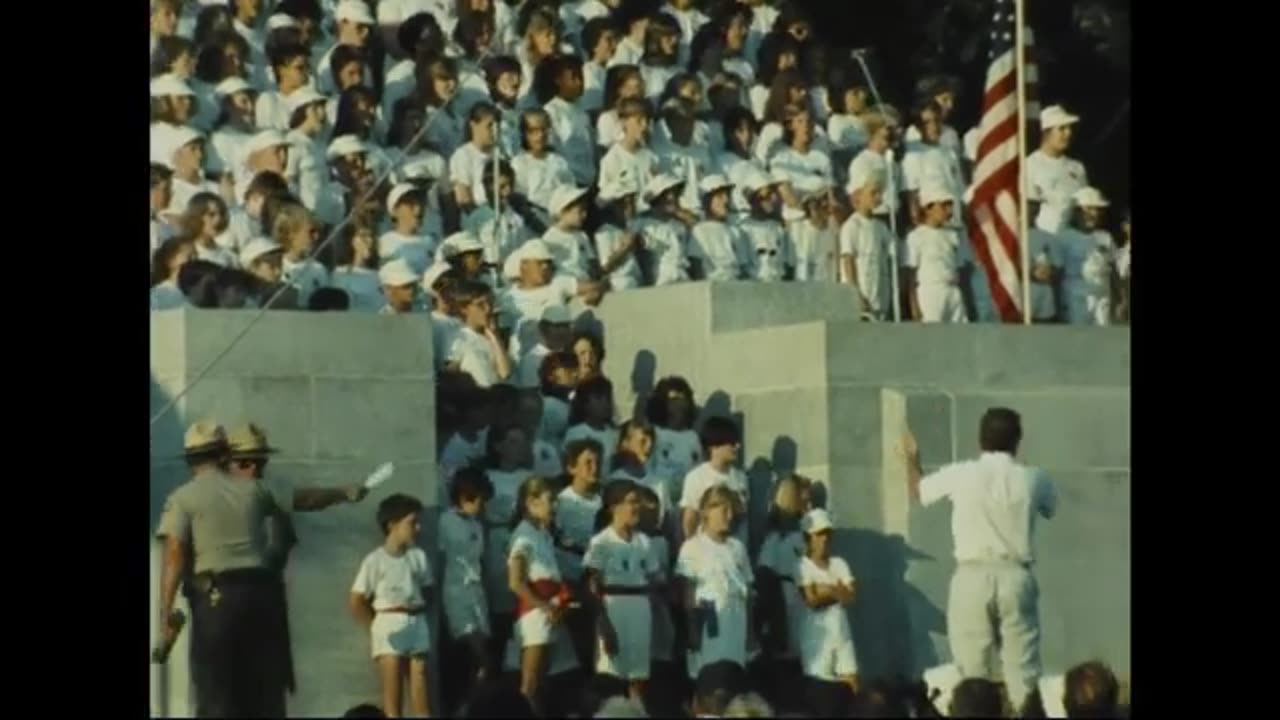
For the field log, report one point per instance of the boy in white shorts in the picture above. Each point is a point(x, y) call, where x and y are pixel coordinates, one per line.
point(938, 259)
point(390, 597)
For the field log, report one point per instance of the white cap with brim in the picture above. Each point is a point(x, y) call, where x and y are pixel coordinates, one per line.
point(345, 145)
point(511, 266)
point(809, 187)
point(263, 140)
point(563, 197)
point(1090, 197)
point(535, 250)
point(863, 176)
point(170, 86)
point(397, 273)
point(1056, 116)
point(931, 195)
point(712, 183)
point(302, 98)
point(556, 314)
point(353, 11)
point(256, 248)
point(660, 184)
point(433, 275)
point(398, 192)
point(815, 521)
point(280, 21)
point(757, 180)
point(614, 190)
point(179, 137)
point(460, 243)
point(420, 170)
point(231, 86)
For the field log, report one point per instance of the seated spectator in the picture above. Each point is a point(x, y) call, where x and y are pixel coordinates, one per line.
point(326, 299)
point(717, 684)
point(1091, 692)
point(977, 698)
point(166, 265)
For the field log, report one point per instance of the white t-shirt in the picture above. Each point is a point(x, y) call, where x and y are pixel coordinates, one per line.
point(869, 241)
point(689, 163)
point(608, 239)
point(576, 521)
point(608, 129)
point(608, 439)
point(721, 248)
point(770, 142)
point(937, 254)
point(217, 255)
point(771, 247)
point(619, 562)
point(798, 166)
point(1054, 181)
point(720, 571)
point(471, 351)
point(656, 78)
point(466, 167)
point(362, 287)
point(461, 548)
point(704, 477)
point(521, 308)
point(573, 138)
point(271, 111)
point(629, 52)
point(225, 151)
point(995, 504)
point(622, 165)
point(950, 139)
point(571, 250)
point(830, 623)
point(416, 250)
point(666, 241)
point(815, 251)
point(537, 549)
point(936, 166)
point(538, 178)
point(394, 581)
point(847, 132)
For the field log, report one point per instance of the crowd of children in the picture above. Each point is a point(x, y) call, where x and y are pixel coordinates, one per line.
point(642, 143)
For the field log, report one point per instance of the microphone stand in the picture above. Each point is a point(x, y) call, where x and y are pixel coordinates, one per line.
point(890, 189)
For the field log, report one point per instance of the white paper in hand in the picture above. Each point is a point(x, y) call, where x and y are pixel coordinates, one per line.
point(379, 476)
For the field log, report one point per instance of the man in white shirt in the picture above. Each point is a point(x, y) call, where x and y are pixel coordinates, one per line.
point(1052, 176)
point(994, 597)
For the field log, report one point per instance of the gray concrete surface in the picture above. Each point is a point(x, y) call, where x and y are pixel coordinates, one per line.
point(338, 394)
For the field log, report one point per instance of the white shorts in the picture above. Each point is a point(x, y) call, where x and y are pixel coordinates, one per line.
point(831, 661)
point(632, 620)
point(465, 610)
point(941, 304)
point(563, 658)
point(400, 634)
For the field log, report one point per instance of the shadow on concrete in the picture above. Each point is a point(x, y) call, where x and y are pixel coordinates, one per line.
point(643, 368)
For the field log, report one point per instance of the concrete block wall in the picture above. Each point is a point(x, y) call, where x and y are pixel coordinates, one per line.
point(338, 395)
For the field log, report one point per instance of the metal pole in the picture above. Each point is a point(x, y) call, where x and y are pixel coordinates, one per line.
point(1019, 59)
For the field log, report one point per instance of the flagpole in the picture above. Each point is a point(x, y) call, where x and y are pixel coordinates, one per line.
point(1024, 233)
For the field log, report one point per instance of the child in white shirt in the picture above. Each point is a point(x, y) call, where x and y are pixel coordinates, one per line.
point(477, 349)
point(591, 416)
point(466, 610)
point(718, 249)
point(466, 167)
point(535, 285)
point(559, 90)
point(599, 42)
point(846, 128)
point(569, 245)
point(620, 574)
point(501, 233)
point(665, 231)
point(717, 579)
point(632, 451)
point(291, 64)
point(622, 82)
point(406, 205)
point(827, 587)
point(937, 258)
point(721, 442)
point(539, 170)
point(577, 507)
point(541, 593)
point(295, 230)
point(813, 236)
point(665, 597)
point(617, 240)
point(390, 596)
point(867, 247)
point(774, 258)
point(502, 75)
point(782, 607)
point(630, 160)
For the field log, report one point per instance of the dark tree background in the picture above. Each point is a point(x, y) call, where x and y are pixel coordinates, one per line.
point(1083, 54)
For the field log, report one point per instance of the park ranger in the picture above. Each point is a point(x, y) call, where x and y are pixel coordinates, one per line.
point(214, 532)
point(994, 597)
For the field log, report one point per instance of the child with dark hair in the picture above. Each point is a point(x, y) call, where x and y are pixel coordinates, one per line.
point(782, 611)
point(291, 64)
point(390, 596)
point(632, 21)
point(466, 610)
point(466, 446)
point(329, 299)
point(591, 416)
point(1091, 691)
point(599, 42)
point(977, 698)
point(677, 449)
point(621, 83)
point(419, 37)
point(166, 264)
point(661, 58)
point(684, 152)
point(630, 462)
point(477, 349)
point(500, 232)
point(721, 442)
point(577, 507)
point(778, 53)
point(559, 92)
point(355, 261)
point(467, 166)
point(559, 375)
point(502, 78)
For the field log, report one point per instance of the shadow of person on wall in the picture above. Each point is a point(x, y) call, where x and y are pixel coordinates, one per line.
point(643, 369)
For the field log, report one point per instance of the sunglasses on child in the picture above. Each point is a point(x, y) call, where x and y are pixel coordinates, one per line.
point(766, 251)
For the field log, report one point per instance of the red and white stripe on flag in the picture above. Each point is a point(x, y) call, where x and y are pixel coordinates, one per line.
point(993, 207)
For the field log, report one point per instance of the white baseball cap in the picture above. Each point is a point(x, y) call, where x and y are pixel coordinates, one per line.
point(935, 194)
point(231, 86)
point(353, 11)
point(616, 189)
point(179, 136)
point(712, 183)
point(1090, 197)
point(397, 273)
point(169, 85)
point(557, 314)
point(563, 197)
point(660, 183)
point(863, 175)
point(397, 192)
point(344, 145)
point(1056, 116)
point(433, 275)
point(815, 521)
point(420, 169)
point(534, 249)
point(302, 98)
point(757, 180)
point(256, 248)
point(811, 186)
point(281, 20)
point(459, 243)
point(263, 140)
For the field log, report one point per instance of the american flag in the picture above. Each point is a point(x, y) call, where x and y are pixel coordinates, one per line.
point(993, 208)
